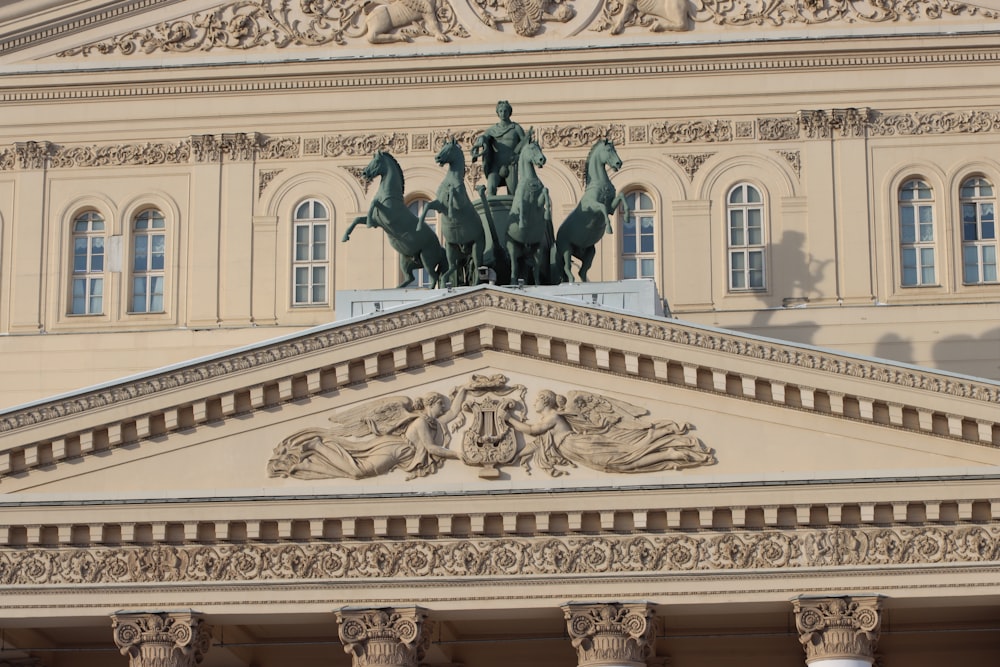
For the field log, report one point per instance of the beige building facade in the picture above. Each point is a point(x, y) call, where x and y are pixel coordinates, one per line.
point(767, 434)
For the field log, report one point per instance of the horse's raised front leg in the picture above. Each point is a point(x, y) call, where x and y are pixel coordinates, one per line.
point(407, 265)
point(433, 205)
point(618, 200)
point(360, 220)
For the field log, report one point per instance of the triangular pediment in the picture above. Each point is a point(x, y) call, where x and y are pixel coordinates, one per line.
point(138, 31)
point(641, 400)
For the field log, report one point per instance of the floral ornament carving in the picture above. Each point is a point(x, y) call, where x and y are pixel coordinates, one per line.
point(691, 163)
point(358, 172)
point(121, 155)
point(579, 169)
point(794, 159)
point(506, 556)
point(32, 154)
point(7, 159)
point(206, 148)
point(692, 131)
point(279, 148)
point(365, 144)
point(814, 12)
point(167, 639)
point(243, 25)
point(615, 634)
point(940, 122)
point(838, 627)
point(398, 433)
point(385, 637)
point(579, 136)
point(778, 129)
point(265, 179)
point(526, 16)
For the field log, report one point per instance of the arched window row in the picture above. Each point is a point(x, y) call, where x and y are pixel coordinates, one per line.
point(95, 255)
point(920, 241)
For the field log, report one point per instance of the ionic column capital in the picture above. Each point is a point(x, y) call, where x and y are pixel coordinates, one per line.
point(606, 634)
point(385, 637)
point(838, 628)
point(161, 639)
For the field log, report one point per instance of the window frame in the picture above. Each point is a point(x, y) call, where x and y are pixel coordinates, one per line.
point(89, 276)
point(310, 264)
point(745, 249)
point(638, 258)
point(982, 247)
point(919, 248)
point(149, 273)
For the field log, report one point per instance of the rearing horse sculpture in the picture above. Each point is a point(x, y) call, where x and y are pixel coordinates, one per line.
point(529, 231)
point(587, 223)
point(417, 247)
point(464, 235)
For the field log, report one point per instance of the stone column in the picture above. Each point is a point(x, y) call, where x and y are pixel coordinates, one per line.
point(385, 637)
point(161, 639)
point(838, 631)
point(611, 635)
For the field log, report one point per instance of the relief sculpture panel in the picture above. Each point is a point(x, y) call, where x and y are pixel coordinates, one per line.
point(495, 428)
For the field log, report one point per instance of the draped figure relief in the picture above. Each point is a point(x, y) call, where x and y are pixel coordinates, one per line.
point(602, 433)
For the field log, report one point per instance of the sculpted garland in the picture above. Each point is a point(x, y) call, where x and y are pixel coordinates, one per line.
point(399, 433)
point(244, 25)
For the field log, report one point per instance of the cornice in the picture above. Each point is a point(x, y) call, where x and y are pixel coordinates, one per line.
point(35, 86)
point(848, 549)
point(669, 365)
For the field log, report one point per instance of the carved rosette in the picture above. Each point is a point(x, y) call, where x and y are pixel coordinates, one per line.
point(385, 637)
point(165, 639)
point(611, 634)
point(838, 628)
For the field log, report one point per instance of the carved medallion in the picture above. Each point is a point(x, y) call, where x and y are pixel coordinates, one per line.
point(489, 440)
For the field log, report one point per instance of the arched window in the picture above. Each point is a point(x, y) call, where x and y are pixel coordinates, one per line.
point(310, 255)
point(916, 233)
point(417, 206)
point(639, 237)
point(979, 232)
point(149, 250)
point(745, 238)
point(87, 283)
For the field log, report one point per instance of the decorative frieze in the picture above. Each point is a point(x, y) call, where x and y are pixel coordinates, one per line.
point(32, 154)
point(579, 136)
point(356, 145)
point(164, 639)
point(206, 148)
point(612, 634)
point(279, 148)
point(385, 637)
point(121, 155)
point(785, 12)
point(508, 556)
point(778, 129)
point(691, 163)
point(692, 131)
point(935, 122)
point(7, 159)
point(243, 25)
point(845, 628)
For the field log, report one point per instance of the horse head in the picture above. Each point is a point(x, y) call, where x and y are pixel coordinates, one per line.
point(450, 153)
point(532, 151)
point(376, 167)
point(608, 155)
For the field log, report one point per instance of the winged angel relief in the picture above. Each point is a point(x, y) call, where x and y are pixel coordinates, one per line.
point(412, 435)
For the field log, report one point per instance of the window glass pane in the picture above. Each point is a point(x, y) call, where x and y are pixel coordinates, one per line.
point(319, 234)
point(736, 228)
point(647, 243)
point(139, 262)
point(648, 268)
point(756, 260)
point(738, 280)
point(970, 231)
point(628, 244)
point(97, 263)
point(989, 264)
point(645, 203)
point(909, 266)
point(926, 214)
point(736, 196)
point(970, 264)
point(968, 212)
point(753, 196)
point(923, 190)
point(302, 212)
point(737, 260)
point(319, 211)
point(629, 269)
point(97, 225)
point(989, 229)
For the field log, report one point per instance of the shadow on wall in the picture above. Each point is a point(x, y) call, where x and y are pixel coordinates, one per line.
point(971, 355)
point(894, 347)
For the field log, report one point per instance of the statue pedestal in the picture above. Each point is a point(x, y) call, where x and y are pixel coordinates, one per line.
point(500, 217)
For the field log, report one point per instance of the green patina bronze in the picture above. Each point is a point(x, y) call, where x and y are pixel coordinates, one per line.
point(418, 246)
point(586, 224)
point(467, 240)
point(529, 230)
point(499, 146)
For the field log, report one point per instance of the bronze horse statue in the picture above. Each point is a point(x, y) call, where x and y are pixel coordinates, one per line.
point(418, 247)
point(465, 236)
point(529, 231)
point(586, 224)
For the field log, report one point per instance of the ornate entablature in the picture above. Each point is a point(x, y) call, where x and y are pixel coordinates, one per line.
point(806, 125)
point(268, 24)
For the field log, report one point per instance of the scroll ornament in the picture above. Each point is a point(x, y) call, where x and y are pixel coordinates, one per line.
point(611, 634)
point(385, 637)
point(839, 627)
point(166, 639)
point(400, 433)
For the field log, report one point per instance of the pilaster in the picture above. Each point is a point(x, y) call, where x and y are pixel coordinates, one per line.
point(385, 637)
point(161, 639)
point(838, 631)
point(612, 634)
